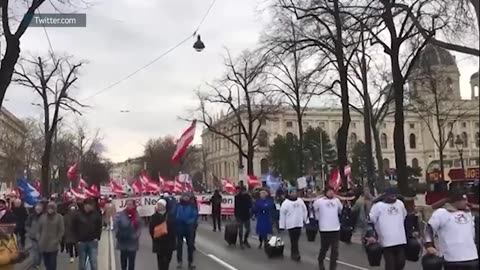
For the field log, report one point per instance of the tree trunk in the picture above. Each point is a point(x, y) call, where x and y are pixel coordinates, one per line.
point(46, 166)
point(398, 131)
point(9, 60)
point(380, 183)
point(300, 141)
point(250, 156)
point(342, 137)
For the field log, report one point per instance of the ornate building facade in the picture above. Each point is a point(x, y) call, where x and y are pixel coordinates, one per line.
point(420, 133)
point(12, 138)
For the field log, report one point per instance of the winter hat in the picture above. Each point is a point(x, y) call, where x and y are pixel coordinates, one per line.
point(391, 191)
point(162, 202)
point(456, 195)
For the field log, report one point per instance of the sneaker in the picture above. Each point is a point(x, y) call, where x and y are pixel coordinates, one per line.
point(72, 260)
point(179, 265)
point(191, 266)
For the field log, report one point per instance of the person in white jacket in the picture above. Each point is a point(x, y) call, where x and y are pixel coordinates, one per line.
point(455, 228)
point(293, 215)
point(327, 210)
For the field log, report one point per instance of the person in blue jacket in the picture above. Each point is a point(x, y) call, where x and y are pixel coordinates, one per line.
point(263, 212)
point(185, 221)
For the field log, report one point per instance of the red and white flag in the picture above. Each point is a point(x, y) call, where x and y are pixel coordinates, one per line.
point(228, 186)
point(116, 188)
point(336, 180)
point(72, 172)
point(149, 184)
point(77, 193)
point(137, 187)
point(184, 141)
point(253, 181)
point(83, 183)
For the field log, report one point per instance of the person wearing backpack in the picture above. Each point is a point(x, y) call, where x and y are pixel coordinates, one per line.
point(162, 231)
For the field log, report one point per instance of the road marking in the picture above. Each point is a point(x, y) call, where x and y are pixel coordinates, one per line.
point(328, 259)
point(112, 248)
point(221, 262)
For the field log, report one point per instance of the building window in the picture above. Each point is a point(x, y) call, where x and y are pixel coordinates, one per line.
point(384, 125)
point(465, 139)
point(263, 138)
point(354, 125)
point(412, 125)
point(306, 124)
point(264, 166)
point(414, 163)
point(384, 141)
point(263, 121)
point(450, 84)
point(477, 139)
point(451, 140)
point(477, 124)
point(289, 124)
point(353, 139)
point(464, 124)
point(337, 124)
point(413, 141)
point(386, 164)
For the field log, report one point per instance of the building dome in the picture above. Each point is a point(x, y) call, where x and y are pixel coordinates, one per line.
point(435, 56)
point(474, 76)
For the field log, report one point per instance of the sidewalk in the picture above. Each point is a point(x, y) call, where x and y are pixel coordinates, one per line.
point(63, 260)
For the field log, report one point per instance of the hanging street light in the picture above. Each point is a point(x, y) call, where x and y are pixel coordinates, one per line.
point(198, 45)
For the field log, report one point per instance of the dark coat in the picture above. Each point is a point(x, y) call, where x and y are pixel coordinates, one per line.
point(243, 206)
point(166, 243)
point(127, 235)
point(8, 218)
point(21, 216)
point(87, 226)
point(216, 203)
point(68, 220)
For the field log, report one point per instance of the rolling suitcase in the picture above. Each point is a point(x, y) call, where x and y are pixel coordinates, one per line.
point(231, 233)
point(274, 247)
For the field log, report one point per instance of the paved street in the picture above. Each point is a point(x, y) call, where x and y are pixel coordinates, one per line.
point(214, 254)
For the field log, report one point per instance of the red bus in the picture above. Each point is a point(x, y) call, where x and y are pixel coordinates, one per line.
point(454, 175)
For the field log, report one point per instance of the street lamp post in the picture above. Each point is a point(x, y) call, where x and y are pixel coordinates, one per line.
point(240, 156)
point(459, 144)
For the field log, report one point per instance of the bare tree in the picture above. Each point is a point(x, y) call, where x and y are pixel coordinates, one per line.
point(457, 18)
point(12, 37)
point(391, 28)
point(34, 139)
point(247, 112)
point(433, 100)
point(290, 77)
point(52, 79)
point(326, 26)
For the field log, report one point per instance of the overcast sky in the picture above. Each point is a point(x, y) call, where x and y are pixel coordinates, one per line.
point(123, 35)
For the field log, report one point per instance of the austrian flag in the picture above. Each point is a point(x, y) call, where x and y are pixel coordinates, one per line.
point(184, 141)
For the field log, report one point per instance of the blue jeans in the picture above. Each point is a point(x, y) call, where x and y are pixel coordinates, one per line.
point(88, 250)
point(188, 235)
point(36, 255)
point(50, 260)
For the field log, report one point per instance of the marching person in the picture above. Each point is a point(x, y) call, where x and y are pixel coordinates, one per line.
point(293, 215)
point(8, 223)
point(128, 230)
point(454, 226)
point(21, 215)
point(243, 215)
point(69, 236)
point(216, 204)
point(388, 219)
point(263, 213)
point(87, 231)
point(162, 231)
point(109, 214)
point(32, 227)
point(186, 219)
point(51, 229)
point(327, 210)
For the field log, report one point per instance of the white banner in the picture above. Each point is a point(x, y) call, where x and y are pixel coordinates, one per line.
point(146, 204)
